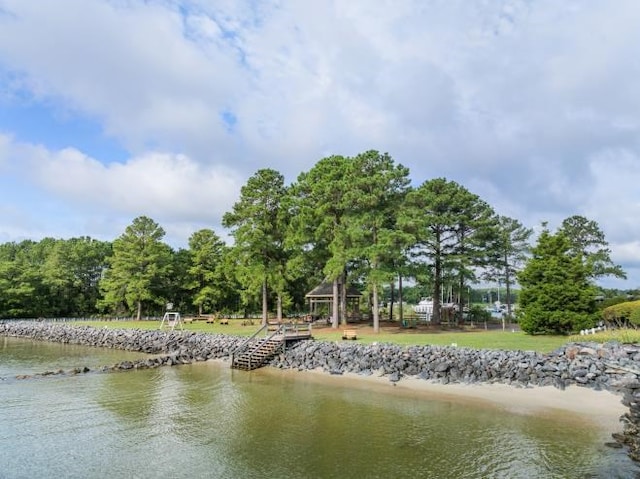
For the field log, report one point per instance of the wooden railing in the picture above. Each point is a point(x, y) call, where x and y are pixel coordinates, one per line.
point(280, 332)
point(245, 344)
point(257, 347)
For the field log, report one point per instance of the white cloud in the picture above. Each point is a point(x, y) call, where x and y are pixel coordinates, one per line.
point(532, 105)
point(172, 189)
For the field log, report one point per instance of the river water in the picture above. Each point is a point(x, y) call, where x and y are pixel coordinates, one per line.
point(207, 421)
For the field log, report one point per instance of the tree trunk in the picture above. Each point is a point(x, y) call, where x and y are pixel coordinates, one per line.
point(376, 312)
point(459, 300)
point(392, 288)
point(279, 307)
point(400, 298)
point(335, 305)
point(343, 299)
point(265, 310)
point(139, 310)
point(437, 290)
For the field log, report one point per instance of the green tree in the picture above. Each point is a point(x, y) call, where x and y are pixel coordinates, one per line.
point(206, 270)
point(173, 284)
point(507, 254)
point(71, 273)
point(589, 243)
point(449, 225)
point(18, 280)
point(258, 224)
point(377, 189)
point(140, 262)
point(556, 295)
point(319, 211)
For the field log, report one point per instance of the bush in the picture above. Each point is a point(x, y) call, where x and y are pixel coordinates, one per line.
point(539, 321)
point(479, 314)
point(612, 302)
point(623, 314)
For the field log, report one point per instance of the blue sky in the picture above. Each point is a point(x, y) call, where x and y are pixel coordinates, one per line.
point(112, 109)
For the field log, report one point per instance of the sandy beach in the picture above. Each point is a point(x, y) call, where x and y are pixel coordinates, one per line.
point(600, 408)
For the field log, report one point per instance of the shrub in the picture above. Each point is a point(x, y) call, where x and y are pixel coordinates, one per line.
point(612, 302)
point(479, 314)
point(540, 321)
point(623, 314)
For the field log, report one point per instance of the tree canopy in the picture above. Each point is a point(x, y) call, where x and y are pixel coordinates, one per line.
point(140, 260)
point(347, 220)
point(257, 222)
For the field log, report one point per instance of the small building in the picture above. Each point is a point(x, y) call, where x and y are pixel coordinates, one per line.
point(321, 301)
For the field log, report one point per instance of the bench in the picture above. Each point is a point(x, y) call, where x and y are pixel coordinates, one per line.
point(224, 321)
point(349, 334)
point(188, 320)
point(211, 320)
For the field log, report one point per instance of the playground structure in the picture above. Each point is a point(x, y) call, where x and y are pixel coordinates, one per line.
point(171, 319)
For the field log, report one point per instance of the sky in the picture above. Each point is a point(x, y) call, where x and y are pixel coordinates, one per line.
point(114, 109)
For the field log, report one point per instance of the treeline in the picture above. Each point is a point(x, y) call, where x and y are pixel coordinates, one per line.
point(348, 220)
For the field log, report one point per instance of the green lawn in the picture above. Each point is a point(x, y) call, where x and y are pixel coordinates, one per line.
point(479, 338)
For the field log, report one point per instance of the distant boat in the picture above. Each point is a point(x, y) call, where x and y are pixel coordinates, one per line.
point(424, 308)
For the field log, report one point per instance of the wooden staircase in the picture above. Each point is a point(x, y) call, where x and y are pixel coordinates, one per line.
point(253, 354)
point(258, 355)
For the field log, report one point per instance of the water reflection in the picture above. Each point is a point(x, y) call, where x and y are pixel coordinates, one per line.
point(204, 420)
point(137, 394)
point(22, 356)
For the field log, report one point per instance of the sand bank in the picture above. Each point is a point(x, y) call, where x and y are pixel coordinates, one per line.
point(600, 408)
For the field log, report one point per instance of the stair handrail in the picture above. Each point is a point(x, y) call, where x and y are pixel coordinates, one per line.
point(280, 330)
point(244, 344)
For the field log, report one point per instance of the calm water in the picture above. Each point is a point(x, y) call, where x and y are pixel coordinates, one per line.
point(204, 420)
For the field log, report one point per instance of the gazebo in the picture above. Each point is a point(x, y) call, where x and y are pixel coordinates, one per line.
point(323, 294)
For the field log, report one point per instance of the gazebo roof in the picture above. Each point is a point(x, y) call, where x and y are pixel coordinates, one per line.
point(325, 290)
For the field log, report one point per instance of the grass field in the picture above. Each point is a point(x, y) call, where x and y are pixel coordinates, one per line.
point(472, 338)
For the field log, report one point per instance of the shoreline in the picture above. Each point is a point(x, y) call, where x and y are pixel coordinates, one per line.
point(578, 382)
point(602, 409)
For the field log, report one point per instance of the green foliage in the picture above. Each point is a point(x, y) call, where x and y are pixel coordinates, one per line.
point(556, 296)
point(138, 268)
point(205, 274)
point(52, 278)
point(449, 226)
point(319, 211)
point(623, 314)
point(612, 301)
point(378, 187)
point(258, 224)
point(479, 314)
point(588, 242)
point(318, 231)
point(507, 250)
point(352, 220)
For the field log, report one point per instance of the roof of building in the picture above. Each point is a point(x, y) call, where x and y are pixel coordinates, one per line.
point(325, 290)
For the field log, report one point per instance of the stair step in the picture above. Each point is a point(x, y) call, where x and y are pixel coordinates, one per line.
point(258, 356)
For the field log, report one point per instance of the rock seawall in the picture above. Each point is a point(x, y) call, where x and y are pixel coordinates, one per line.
point(613, 367)
point(168, 347)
